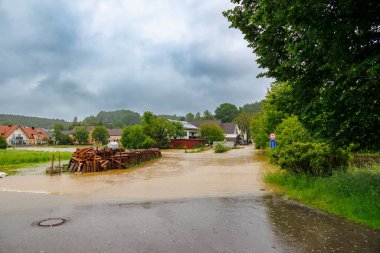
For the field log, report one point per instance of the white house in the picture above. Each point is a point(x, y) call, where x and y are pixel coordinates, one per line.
point(192, 132)
point(14, 135)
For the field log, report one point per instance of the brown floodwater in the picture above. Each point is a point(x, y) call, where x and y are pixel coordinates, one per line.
point(182, 202)
point(176, 175)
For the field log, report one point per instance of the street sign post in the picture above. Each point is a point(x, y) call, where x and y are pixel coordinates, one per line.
point(272, 141)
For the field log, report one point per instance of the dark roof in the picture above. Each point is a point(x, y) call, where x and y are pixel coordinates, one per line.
point(67, 132)
point(115, 132)
point(197, 123)
point(228, 128)
point(89, 128)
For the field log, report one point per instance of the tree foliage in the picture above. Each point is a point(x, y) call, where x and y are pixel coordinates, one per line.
point(243, 120)
point(226, 112)
point(251, 107)
point(161, 130)
point(259, 130)
point(207, 115)
point(328, 53)
point(3, 143)
point(100, 133)
point(211, 132)
point(7, 119)
point(133, 137)
point(190, 116)
point(81, 135)
point(265, 122)
point(60, 138)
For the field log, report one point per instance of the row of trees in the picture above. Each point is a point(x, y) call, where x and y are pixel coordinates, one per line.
point(153, 131)
point(156, 131)
point(99, 134)
point(325, 58)
point(226, 112)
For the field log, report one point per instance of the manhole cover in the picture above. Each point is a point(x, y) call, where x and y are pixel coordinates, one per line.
point(51, 222)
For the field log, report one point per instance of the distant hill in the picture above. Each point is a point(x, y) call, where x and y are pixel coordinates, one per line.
point(173, 117)
point(115, 119)
point(8, 119)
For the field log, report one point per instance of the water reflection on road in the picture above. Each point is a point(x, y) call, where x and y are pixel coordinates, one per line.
point(311, 230)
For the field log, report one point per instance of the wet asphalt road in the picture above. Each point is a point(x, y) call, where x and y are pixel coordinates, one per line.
point(224, 224)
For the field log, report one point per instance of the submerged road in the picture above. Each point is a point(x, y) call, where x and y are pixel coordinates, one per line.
point(203, 202)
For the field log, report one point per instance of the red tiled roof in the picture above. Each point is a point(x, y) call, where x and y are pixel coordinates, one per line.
point(6, 131)
point(31, 133)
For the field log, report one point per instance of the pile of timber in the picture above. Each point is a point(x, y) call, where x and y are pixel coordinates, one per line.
point(93, 160)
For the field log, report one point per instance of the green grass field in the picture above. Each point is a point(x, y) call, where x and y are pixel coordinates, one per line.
point(10, 160)
point(354, 194)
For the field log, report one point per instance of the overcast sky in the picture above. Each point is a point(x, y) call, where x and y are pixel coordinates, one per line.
point(63, 58)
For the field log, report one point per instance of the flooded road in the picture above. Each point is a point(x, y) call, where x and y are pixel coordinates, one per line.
point(203, 202)
point(176, 175)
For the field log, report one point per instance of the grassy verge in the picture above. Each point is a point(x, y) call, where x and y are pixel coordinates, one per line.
point(10, 160)
point(354, 194)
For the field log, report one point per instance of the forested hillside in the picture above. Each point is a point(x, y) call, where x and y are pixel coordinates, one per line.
point(116, 119)
point(7, 119)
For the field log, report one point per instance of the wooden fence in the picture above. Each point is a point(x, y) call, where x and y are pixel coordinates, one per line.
point(365, 160)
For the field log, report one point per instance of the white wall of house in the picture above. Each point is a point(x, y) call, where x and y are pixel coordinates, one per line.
point(190, 133)
point(17, 135)
point(115, 138)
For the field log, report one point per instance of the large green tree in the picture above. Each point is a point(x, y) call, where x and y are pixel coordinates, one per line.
point(243, 120)
point(81, 135)
point(251, 107)
point(226, 112)
point(133, 137)
point(211, 132)
point(100, 133)
point(161, 130)
point(329, 54)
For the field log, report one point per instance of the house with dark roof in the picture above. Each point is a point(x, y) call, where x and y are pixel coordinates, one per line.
point(191, 131)
point(231, 130)
point(115, 134)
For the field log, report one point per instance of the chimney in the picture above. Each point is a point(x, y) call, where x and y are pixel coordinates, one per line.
point(9, 125)
point(33, 128)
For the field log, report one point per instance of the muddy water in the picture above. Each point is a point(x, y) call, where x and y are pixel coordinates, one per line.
point(203, 202)
point(176, 175)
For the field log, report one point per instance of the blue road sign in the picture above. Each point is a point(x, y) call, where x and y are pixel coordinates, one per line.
point(272, 143)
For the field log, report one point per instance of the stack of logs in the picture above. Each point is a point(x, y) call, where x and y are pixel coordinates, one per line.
point(94, 160)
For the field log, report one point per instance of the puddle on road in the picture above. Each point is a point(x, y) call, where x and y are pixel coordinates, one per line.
point(175, 175)
point(311, 230)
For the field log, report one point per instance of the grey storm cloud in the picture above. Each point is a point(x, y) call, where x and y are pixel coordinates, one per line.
point(62, 58)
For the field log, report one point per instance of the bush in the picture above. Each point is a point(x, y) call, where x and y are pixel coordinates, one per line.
point(313, 158)
point(3, 143)
point(220, 148)
point(211, 132)
point(133, 137)
point(289, 131)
